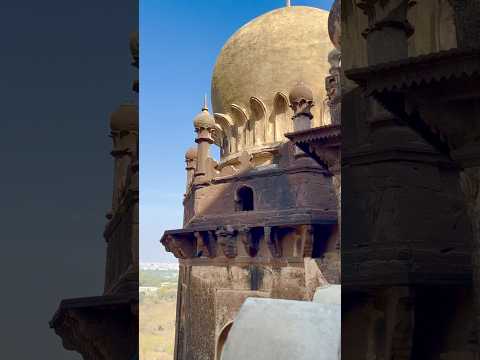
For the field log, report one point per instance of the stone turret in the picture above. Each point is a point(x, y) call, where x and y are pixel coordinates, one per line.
point(204, 127)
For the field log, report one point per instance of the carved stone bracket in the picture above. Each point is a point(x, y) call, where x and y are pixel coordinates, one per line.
point(206, 244)
point(245, 236)
point(226, 236)
point(273, 243)
point(99, 328)
point(181, 249)
point(241, 242)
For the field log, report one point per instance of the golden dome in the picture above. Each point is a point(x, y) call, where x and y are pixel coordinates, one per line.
point(263, 61)
point(125, 118)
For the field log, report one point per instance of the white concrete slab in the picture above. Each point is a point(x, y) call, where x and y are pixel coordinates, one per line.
point(270, 329)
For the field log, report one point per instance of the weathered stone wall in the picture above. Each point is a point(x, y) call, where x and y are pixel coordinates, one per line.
point(406, 240)
point(403, 211)
point(285, 185)
point(401, 323)
point(211, 296)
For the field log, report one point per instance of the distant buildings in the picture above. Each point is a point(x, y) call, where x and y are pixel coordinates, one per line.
point(158, 266)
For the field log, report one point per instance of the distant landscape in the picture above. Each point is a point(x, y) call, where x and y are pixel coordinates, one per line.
point(158, 295)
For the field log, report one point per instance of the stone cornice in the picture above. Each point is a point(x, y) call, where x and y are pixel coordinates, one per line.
point(228, 242)
point(370, 156)
point(417, 71)
point(329, 134)
point(265, 218)
point(322, 143)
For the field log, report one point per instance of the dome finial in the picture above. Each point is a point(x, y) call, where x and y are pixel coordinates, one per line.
point(204, 119)
point(205, 105)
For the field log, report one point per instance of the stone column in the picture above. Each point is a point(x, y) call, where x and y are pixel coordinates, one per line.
point(204, 140)
point(301, 102)
point(388, 29)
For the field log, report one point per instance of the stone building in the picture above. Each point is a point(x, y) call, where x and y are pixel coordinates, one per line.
point(105, 327)
point(409, 156)
point(261, 221)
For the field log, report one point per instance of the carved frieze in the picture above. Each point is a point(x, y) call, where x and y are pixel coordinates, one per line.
point(241, 241)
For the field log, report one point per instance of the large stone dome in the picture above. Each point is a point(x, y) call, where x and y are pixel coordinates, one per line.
point(262, 62)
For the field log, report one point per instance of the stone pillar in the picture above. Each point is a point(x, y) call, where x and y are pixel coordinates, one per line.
point(301, 102)
point(388, 29)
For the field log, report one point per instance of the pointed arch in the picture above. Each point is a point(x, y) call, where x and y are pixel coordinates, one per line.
point(278, 124)
point(281, 102)
point(240, 119)
point(239, 114)
point(259, 118)
point(226, 123)
point(224, 120)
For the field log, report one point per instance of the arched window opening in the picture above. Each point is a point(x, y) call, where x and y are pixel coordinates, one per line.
point(245, 199)
point(222, 339)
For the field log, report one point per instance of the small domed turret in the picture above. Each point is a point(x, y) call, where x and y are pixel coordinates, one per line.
point(204, 120)
point(301, 102)
point(191, 153)
point(125, 118)
point(300, 92)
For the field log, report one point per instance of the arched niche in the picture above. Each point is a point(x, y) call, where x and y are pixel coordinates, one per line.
point(258, 118)
point(222, 338)
point(278, 123)
point(227, 137)
point(240, 118)
point(244, 198)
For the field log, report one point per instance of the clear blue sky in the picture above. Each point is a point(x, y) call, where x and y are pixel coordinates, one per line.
point(180, 40)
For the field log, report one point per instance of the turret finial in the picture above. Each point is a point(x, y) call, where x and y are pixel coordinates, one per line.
point(205, 105)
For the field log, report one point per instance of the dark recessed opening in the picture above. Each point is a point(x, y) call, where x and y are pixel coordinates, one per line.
point(245, 199)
